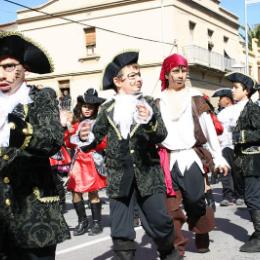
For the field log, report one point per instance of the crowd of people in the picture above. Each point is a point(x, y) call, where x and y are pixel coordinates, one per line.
point(153, 156)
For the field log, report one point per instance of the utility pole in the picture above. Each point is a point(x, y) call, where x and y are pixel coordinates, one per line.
point(246, 32)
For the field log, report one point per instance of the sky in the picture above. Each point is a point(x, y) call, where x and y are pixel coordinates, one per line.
point(8, 10)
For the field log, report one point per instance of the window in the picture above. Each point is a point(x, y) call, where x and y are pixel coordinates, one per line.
point(210, 42)
point(192, 26)
point(90, 40)
point(225, 39)
point(65, 98)
point(210, 33)
point(64, 84)
point(250, 70)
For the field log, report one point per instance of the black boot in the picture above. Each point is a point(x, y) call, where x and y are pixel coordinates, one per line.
point(82, 226)
point(166, 248)
point(171, 255)
point(253, 244)
point(202, 242)
point(124, 249)
point(96, 215)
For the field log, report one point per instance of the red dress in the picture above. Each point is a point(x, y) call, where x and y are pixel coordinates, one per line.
point(83, 176)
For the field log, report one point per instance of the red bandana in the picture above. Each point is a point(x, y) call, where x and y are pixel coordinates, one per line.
point(174, 60)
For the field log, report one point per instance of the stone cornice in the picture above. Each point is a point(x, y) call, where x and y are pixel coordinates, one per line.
point(75, 11)
point(206, 10)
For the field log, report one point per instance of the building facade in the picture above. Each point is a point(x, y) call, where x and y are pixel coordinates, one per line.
point(83, 36)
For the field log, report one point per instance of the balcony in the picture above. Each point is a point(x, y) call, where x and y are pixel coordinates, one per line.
point(204, 57)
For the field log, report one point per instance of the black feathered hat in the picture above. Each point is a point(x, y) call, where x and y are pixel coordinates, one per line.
point(112, 69)
point(244, 79)
point(28, 53)
point(91, 97)
point(223, 92)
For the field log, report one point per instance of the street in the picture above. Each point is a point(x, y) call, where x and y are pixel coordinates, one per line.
point(232, 228)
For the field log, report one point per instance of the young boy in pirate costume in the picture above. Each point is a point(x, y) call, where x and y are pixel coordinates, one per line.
point(190, 127)
point(30, 132)
point(133, 126)
point(246, 139)
point(229, 111)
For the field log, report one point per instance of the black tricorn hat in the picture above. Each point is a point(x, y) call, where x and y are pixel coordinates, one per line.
point(28, 53)
point(246, 80)
point(112, 69)
point(91, 97)
point(223, 92)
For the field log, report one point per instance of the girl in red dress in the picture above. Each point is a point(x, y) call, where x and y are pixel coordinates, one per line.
point(83, 175)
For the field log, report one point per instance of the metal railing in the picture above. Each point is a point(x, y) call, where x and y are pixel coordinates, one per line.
point(198, 55)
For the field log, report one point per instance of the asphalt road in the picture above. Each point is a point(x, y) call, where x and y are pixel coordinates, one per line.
point(232, 229)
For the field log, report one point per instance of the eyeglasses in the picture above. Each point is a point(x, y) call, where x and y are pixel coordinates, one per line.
point(130, 76)
point(133, 75)
point(9, 67)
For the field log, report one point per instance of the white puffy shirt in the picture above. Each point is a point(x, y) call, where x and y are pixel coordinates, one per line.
point(181, 138)
point(228, 118)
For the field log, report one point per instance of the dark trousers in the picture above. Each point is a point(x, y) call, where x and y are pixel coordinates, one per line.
point(192, 186)
point(45, 253)
point(153, 213)
point(232, 183)
point(252, 192)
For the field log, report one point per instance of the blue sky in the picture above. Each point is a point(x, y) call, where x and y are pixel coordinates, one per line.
point(8, 10)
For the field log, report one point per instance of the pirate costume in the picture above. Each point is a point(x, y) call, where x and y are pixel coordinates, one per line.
point(133, 167)
point(246, 140)
point(84, 176)
point(30, 132)
point(231, 183)
point(191, 143)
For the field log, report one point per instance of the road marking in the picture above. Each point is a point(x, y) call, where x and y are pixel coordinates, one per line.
point(90, 243)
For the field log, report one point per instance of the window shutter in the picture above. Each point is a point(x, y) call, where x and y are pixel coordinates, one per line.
point(64, 84)
point(90, 36)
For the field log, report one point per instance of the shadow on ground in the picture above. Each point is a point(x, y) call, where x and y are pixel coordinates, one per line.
point(226, 226)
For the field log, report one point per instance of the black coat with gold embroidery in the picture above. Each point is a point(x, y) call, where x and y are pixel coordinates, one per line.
point(29, 203)
point(246, 136)
point(134, 159)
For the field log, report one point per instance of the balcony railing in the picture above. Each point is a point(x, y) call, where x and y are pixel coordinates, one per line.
point(198, 55)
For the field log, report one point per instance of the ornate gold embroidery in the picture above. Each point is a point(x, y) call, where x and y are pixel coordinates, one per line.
point(153, 128)
point(134, 130)
point(115, 128)
point(28, 132)
point(50, 199)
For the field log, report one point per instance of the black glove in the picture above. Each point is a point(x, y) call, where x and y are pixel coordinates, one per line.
point(17, 126)
point(19, 111)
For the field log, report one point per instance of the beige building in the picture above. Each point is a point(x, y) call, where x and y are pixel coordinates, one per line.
point(83, 36)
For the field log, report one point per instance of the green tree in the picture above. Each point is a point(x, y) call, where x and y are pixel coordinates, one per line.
point(254, 33)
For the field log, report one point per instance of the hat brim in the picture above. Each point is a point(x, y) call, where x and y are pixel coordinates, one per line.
point(94, 100)
point(242, 78)
point(91, 100)
point(28, 53)
point(224, 92)
point(113, 68)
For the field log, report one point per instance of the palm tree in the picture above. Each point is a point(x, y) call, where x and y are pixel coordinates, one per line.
point(252, 33)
